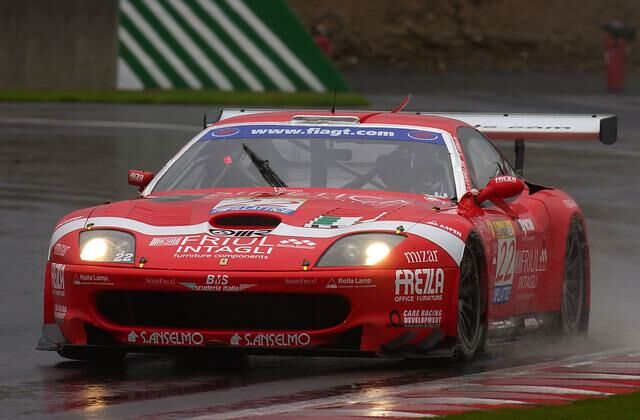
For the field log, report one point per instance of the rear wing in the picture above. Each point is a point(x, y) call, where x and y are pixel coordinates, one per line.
point(551, 127)
point(517, 127)
point(539, 126)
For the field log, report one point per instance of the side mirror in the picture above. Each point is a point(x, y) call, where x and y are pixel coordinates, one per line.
point(140, 178)
point(497, 190)
point(500, 188)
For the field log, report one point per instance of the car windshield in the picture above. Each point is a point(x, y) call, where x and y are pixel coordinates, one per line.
point(401, 160)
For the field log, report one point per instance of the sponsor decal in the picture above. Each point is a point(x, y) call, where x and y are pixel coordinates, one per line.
point(59, 312)
point(225, 132)
point(60, 249)
point(485, 227)
point(370, 200)
point(165, 338)
point(271, 340)
point(301, 282)
point(529, 262)
point(207, 246)
point(239, 232)
point(332, 222)
point(165, 241)
point(446, 228)
point(570, 204)
point(504, 261)
point(306, 131)
point(503, 229)
point(136, 177)
point(281, 205)
point(527, 225)
point(217, 283)
point(159, 281)
point(216, 288)
point(296, 243)
point(84, 279)
point(419, 285)
point(350, 283)
point(416, 318)
point(421, 256)
point(57, 279)
point(222, 279)
point(505, 178)
point(423, 135)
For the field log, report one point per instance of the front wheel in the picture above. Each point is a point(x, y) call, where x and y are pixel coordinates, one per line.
point(471, 325)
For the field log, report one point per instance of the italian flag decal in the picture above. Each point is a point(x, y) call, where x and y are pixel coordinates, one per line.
point(328, 222)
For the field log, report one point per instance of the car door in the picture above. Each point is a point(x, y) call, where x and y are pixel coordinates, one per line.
point(516, 249)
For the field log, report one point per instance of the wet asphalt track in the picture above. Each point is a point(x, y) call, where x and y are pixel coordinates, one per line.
point(56, 158)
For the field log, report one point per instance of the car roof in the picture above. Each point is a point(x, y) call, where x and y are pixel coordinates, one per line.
point(386, 118)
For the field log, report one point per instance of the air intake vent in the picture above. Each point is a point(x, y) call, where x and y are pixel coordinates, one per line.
point(243, 311)
point(245, 221)
point(325, 119)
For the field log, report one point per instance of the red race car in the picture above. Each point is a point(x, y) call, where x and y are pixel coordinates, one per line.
point(365, 233)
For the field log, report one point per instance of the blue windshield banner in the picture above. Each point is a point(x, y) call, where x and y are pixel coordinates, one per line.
point(274, 131)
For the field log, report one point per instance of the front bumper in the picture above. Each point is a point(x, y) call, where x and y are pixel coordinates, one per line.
point(319, 311)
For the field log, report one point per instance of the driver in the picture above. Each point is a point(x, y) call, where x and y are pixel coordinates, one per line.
point(408, 170)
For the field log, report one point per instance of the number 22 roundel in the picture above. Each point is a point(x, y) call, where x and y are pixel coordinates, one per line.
point(505, 261)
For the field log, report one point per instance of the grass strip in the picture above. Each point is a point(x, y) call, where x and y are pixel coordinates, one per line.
point(619, 407)
point(211, 97)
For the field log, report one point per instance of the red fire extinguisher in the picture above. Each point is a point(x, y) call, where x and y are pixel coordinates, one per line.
point(617, 35)
point(322, 40)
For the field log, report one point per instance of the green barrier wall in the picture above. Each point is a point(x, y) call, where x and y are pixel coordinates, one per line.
point(256, 45)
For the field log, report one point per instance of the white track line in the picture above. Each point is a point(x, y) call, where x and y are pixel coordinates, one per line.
point(530, 389)
point(100, 123)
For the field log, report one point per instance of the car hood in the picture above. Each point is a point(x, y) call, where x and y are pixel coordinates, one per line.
point(255, 230)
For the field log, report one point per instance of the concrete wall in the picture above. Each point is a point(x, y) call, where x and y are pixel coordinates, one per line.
point(58, 44)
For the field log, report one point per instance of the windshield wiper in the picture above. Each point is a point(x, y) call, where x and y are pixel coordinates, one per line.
point(265, 170)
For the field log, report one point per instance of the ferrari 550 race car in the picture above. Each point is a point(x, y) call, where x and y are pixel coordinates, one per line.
point(365, 233)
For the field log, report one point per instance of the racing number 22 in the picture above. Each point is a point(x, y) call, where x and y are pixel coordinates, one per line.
point(506, 261)
point(125, 257)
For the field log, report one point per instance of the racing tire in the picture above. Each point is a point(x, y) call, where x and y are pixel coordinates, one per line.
point(574, 312)
point(94, 355)
point(471, 327)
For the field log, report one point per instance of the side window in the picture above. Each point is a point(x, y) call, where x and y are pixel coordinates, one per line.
point(483, 160)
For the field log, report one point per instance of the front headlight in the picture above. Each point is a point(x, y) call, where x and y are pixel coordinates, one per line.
point(359, 249)
point(107, 246)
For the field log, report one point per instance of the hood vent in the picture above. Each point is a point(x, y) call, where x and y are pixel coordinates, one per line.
point(245, 221)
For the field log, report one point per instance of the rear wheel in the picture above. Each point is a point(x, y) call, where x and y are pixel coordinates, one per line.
point(471, 325)
point(90, 354)
point(574, 311)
